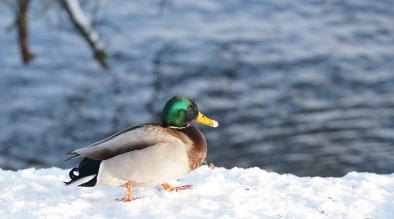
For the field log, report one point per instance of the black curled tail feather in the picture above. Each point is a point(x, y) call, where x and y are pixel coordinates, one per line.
point(72, 174)
point(87, 167)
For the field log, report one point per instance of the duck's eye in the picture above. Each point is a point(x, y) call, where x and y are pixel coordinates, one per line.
point(190, 108)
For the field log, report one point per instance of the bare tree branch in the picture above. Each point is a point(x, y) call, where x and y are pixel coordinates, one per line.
point(84, 28)
point(22, 23)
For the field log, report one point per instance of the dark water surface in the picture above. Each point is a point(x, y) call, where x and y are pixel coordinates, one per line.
point(302, 87)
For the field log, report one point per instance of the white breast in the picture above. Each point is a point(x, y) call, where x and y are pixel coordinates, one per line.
point(150, 166)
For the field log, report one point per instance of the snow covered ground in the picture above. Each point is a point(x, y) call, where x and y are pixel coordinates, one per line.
point(216, 193)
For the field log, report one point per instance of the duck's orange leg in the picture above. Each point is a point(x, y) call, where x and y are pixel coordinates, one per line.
point(129, 195)
point(169, 187)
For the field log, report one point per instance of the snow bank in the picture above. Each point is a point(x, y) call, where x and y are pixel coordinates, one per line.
point(216, 193)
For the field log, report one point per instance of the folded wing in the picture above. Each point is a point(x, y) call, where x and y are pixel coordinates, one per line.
point(130, 139)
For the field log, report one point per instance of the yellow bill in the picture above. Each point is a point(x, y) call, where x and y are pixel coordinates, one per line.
point(206, 121)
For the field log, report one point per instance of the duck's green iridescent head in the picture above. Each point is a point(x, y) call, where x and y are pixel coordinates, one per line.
point(181, 111)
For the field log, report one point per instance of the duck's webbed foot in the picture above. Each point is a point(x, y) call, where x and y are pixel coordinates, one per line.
point(168, 187)
point(129, 195)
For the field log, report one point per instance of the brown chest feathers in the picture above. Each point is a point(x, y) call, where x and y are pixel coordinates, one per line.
point(197, 146)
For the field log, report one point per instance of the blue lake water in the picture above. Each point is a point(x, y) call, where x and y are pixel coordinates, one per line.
point(302, 87)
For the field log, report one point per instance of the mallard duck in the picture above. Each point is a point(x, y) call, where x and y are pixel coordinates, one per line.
point(148, 154)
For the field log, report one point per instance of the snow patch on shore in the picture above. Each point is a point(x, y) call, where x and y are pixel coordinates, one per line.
point(216, 193)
